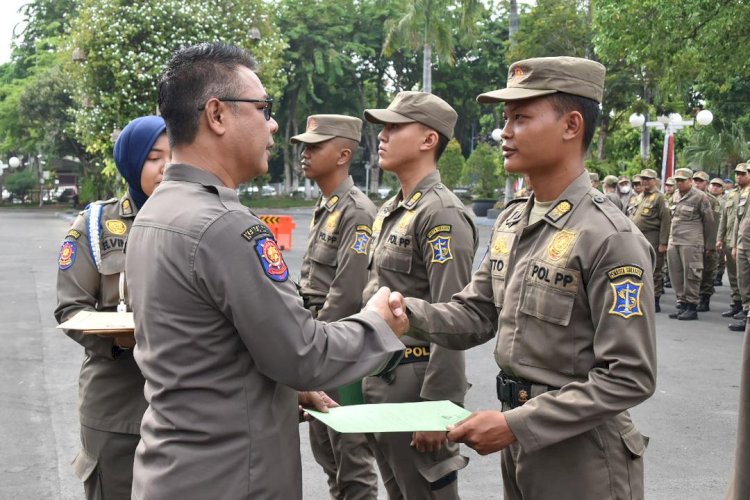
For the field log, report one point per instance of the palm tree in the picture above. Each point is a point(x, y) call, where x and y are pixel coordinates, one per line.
point(718, 150)
point(431, 24)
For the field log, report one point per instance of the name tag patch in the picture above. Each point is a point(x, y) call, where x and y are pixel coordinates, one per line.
point(564, 279)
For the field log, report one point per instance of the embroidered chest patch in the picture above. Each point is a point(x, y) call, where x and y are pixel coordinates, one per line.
point(271, 259)
point(626, 299)
point(116, 226)
point(560, 245)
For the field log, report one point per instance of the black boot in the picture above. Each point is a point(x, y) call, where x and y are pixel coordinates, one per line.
point(680, 308)
point(717, 281)
point(704, 304)
point(690, 313)
point(738, 326)
point(657, 307)
point(733, 309)
point(742, 315)
point(667, 282)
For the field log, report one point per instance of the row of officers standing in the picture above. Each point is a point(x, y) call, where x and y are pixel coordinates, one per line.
point(698, 229)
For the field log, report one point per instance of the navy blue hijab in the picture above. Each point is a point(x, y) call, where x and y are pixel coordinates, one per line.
point(131, 150)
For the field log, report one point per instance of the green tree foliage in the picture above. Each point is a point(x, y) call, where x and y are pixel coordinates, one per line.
point(481, 171)
point(451, 164)
point(19, 184)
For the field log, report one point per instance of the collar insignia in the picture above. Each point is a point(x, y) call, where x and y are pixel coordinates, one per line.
point(558, 211)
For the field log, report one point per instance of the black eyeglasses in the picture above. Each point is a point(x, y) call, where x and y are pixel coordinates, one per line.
point(267, 109)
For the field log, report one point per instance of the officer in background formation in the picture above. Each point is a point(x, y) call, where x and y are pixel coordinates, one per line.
point(424, 241)
point(741, 246)
point(716, 189)
point(594, 177)
point(692, 235)
point(651, 215)
point(225, 343)
point(566, 287)
point(334, 273)
point(725, 241)
point(710, 259)
point(610, 191)
point(625, 191)
point(91, 277)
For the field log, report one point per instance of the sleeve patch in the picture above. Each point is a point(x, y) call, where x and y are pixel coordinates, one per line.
point(271, 259)
point(361, 241)
point(626, 301)
point(441, 249)
point(67, 255)
point(254, 231)
point(443, 228)
point(629, 270)
point(73, 234)
point(364, 228)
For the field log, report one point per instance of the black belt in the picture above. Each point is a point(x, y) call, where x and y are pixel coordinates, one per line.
point(515, 391)
point(415, 353)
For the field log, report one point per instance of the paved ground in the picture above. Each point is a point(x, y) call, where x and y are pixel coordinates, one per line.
point(691, 419)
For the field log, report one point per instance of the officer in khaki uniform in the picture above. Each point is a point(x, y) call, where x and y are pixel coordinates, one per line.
point(716, 188)
point(651, 215)
point(693, 234)
point(741, 246)
point(566, 287)
point(424, 241)
point(334, 273)
point(223, 339)
point(726, 234)
point(91, 277)
point(610, 191)
point(710, 260)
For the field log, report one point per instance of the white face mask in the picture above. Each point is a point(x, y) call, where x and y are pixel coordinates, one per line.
point(625, 189)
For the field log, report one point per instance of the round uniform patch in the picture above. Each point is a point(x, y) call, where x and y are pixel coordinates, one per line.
point(116, 226)
point(271, 259)
point(67, 255)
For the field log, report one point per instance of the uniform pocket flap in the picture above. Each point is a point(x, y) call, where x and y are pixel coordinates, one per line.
point(325, 255)
point(433, 471)
point(396, 261)
point(548, 304)
point(635, 442)
point(83, 465)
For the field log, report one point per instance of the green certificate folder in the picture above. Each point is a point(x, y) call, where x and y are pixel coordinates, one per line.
point(393, 417)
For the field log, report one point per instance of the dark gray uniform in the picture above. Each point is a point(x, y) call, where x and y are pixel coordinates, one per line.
point(110, 384)
point(570, 298)
point(424, 247)
point(334, 273)
point(224, 342)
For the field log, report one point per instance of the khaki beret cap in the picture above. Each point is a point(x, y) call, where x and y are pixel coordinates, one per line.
point(700, 174)
point(741, 167)
point(409, 107)
point(718, 181)
point(610, 180)
point(321, 128)
point(547, 75)
point(670, 181)
point(593, 176)
point(683, 173)
point(623, 178)
point(648, 173)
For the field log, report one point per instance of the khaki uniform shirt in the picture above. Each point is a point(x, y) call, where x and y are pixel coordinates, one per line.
point(725, 232)
point(571, 298)
point(224, 342)
point(651, 215)
point(110, 388)
point(615, 199)
point(742, 226)
point(334, 268)
point(424, 248)
point(693, 220)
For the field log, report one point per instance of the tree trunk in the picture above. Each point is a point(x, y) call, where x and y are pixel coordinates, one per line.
point(513, 29)
point(603, 133)
point(427, 68)
point(289, 149)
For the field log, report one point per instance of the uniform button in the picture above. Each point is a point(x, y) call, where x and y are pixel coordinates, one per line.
point(599, 198)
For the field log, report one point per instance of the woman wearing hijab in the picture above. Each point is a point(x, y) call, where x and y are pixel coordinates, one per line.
point(91, 276)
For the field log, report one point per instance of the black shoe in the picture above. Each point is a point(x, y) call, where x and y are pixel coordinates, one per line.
point(704, 304)
point(717, 282)
point(690, 313)
point(742, 315)
point(657, 307)
point(667, 284)
point(733, 309)
point(738, 326)
point(680, 308)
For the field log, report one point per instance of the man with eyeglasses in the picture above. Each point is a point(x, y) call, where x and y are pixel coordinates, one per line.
point(222, 337)
point(693, 235)
point(710, 260)
point(741, 246)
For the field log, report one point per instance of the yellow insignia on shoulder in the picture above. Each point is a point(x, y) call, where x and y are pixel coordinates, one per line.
point(562, 208)
point(127, 208)
point(402, 227)
point(646, 211)
point(377, 224)
point(560, 245)
point(73, 234)
point(332, 221)
point(626, 300)
point(332, 201)
point(116, 226)
point(413, 200)
point(443, 228)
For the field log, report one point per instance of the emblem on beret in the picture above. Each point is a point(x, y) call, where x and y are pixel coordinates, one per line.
point(312, 124)
point(441, 249)
point(116, 226)
point(560, 245)
point(517, 73)
point(271, 259)
point(67, 255)
point(626, 299)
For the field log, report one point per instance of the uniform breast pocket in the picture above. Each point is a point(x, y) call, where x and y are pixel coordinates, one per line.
point(324, 254)
point(393, 260)
point(685, 211)
point(548, 304)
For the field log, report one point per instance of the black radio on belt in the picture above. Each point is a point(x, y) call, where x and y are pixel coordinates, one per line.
point(512, 390)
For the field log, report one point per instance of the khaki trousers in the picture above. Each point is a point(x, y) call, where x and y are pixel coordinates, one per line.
point(408, 474)
point(743, 276)
point(653, 239)
point(105, 464)
point(685, 271)
point(605, 462)
point(347, 461)
point(731, 265)
point(710, 265)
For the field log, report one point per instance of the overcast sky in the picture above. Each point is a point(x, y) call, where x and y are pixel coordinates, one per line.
point(9, 18)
